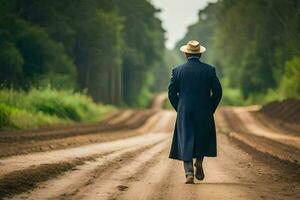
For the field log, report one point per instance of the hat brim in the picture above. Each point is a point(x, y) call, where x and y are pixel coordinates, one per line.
point(186, 50)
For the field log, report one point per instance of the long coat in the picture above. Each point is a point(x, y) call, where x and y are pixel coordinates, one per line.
point(194, 92)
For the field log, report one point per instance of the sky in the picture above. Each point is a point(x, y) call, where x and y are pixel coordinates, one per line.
point(177, 15)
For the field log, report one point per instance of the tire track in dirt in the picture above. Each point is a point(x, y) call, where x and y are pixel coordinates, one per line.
point(15, 163)
point(247, 118)
point(19, 179)
point(158, 101)
point(30, 164)
point(138, 167)
point(82, 175)
point(120, 121)
point(232, 175)
point(250, 135)
point(153, 182)
point(277, 125)
point(60, 129)
point(113, 181)
point(218, 184)
point(75, 136)
point(120, 117)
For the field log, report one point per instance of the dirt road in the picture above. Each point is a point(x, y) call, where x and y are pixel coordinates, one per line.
point(126, 157)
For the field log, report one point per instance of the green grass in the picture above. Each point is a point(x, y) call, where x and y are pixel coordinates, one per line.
point(38, 108)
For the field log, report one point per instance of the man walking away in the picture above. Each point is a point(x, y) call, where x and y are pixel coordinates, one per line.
point(194, 92)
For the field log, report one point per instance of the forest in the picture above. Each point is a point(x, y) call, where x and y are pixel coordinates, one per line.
point(254, 46)
point(112, 50)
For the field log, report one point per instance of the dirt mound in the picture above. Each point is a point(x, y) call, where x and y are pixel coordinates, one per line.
point(287, 110)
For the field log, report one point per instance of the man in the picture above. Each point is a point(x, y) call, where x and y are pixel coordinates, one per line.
point(194, 92)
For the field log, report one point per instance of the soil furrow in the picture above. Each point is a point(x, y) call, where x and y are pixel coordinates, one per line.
point(30, 169)
point(24, 180)
point(240, 131)
point(257, 128)
point(17, 148)
point(104, 187)
point(59, 128)
point(83, 172)
point(153, 182)
point(133, 163)
point(21, 162)
point(277, 125)
point(136, 119)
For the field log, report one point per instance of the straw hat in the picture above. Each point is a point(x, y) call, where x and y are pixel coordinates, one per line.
point(193, 47)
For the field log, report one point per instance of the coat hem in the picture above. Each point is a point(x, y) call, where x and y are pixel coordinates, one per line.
point(180, 159)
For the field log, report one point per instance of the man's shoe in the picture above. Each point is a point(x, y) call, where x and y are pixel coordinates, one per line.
point(199, 171)
point(189, 179)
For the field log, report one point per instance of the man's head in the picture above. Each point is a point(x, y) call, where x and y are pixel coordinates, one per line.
point(198, 55)
point(193, 48)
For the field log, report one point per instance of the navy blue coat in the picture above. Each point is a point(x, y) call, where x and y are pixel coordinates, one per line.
point(194, 92)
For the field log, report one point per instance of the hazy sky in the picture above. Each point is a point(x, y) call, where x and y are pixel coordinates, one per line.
point(177, 15)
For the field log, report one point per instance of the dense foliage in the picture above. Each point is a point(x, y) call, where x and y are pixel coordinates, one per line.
point(37, 108)
point(255, 46)
point(109, 48)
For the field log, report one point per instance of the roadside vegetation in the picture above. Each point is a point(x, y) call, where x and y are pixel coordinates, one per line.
point(110, 52)
point(113, 50)
point(255, 47)
point(47, 107)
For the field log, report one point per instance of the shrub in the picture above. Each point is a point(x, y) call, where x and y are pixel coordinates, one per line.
point(66, 104)
point(40, 107)
point(231, 96)
point(290, 83)
point(4, 115)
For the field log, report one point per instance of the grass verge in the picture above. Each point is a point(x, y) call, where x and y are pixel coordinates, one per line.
point(40, 108)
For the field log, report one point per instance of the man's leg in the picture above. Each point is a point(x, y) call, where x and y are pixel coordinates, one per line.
point(188, 168)
point(199, 168)
point(189, 171)
point(199, 161)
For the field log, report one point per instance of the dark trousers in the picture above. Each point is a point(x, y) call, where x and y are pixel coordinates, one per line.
point(188, 166)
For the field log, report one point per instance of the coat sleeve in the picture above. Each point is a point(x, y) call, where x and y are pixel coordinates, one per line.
point(172, 91)
point(216, 91)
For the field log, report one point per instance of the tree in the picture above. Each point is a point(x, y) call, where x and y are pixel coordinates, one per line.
point(143, 47)
point(250, 42)
point(11, 62)
point(36, 55)
point(107, 48)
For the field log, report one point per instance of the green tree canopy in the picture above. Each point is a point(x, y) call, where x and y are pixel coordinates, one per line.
point(107, 48)
point(252, 43)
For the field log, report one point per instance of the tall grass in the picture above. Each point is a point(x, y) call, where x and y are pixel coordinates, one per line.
point(36, 108)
